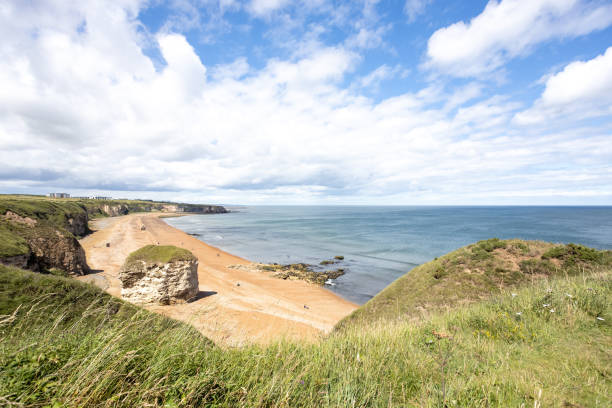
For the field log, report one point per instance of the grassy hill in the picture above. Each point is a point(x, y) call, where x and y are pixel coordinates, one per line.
point(474, 273)
point(64, 343)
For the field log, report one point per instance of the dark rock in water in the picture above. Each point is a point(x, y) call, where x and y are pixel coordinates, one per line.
point(327, 262)
point(301, 271)
point(339, 257)
point(194, 234)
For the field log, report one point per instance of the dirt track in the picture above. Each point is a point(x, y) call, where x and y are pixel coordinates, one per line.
point(261, 309)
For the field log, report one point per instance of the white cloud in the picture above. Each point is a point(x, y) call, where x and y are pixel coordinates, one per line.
point(86, 110)
point(367, 38)
point(414, 8)
point(582, 89)
point(382, 73)
point(265, 7)
point(511, 28)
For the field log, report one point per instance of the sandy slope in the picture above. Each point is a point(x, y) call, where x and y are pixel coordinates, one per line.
point(261, 309)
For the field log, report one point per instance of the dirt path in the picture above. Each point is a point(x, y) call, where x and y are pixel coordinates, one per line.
point(260, 309)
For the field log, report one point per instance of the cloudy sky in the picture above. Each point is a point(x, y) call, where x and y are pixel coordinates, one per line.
point(309, 102)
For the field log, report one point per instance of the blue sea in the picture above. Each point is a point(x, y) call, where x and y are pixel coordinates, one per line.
point(379, 244)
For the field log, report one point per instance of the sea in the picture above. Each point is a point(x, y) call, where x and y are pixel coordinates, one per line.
point(381, 243)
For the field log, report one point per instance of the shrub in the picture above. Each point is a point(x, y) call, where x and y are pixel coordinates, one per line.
point(492, 244)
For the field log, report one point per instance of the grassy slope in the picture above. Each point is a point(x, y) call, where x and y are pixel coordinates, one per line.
point(50, 215)
point(63, 343)
point(473, 273)
point(160, 254)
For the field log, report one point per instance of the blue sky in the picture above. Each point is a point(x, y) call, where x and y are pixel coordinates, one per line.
point(309, 102)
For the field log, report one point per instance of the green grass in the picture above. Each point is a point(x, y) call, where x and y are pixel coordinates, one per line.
point(160, 254)
point(474, 273)
point(55, 212)
point(63, 343)
point(11, 244)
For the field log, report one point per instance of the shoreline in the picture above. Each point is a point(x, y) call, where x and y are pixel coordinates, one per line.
point(261, 309)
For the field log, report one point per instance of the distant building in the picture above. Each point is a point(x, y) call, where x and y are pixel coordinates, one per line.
point(58, 195)
point(100, 198)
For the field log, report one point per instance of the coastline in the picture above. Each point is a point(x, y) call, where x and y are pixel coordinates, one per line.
point(262, 309)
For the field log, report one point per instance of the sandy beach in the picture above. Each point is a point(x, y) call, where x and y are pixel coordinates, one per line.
point(234, 306)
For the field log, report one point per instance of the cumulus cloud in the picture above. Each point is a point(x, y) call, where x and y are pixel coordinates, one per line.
point(508, 29)
point(582, 89)
point(83, 109)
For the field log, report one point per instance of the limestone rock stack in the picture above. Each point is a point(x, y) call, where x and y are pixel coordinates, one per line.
point(159, 274)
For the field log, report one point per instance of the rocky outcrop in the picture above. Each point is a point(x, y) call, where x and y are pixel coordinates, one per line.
point(16, 218)
point(146, 282)
point(194, 208)
point(46, 242)
point(299, 271)
point(18, 261)
point(54, 249)
point(76, 224)
point(115, 210)
point(203, 209)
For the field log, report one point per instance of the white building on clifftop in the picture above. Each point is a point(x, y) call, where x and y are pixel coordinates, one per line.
point(58, 195)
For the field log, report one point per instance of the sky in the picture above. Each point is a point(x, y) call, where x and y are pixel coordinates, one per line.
point(400, 102)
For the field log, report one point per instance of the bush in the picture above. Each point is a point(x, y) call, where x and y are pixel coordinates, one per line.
point(492, 244)
point(573, 253)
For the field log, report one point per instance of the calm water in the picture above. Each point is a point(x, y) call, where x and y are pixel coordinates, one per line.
point(382, 243)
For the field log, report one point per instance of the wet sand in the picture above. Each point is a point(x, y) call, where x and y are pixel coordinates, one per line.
point(260, 309)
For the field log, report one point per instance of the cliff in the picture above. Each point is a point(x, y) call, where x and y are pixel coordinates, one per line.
point(41, 234)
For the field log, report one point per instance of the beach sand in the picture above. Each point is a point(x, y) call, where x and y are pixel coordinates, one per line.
point(260, 309)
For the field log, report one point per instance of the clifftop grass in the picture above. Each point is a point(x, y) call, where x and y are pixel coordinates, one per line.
point(50, 216)
point(66, 344)
point(160, 254)
point(11, 244)
point(474, 273)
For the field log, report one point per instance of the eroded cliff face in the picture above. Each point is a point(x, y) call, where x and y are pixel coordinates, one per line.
point(47, 244)
point(159, 283)
point(115, 210)
point(52, 248)
point(76, 224)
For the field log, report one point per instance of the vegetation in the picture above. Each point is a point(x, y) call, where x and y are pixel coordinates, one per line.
point(160, 254)
point(23, 219)
point(11, 244)
point(63, 343)
point(474, 273)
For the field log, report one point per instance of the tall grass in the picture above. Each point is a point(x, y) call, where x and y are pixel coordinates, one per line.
point(67, 344)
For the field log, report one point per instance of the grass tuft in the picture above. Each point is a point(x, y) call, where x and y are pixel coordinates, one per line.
point(160, 254)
